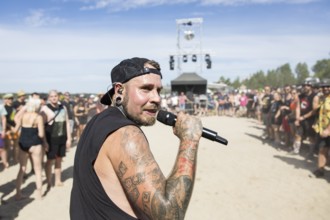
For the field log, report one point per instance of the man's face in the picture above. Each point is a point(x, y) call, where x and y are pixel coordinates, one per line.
point(9, 101)
point(267, 90)
point(53, 98)
point(141, 99)
point(287, 90)
point(326, 90)
point(307, 89)
point(67, 96)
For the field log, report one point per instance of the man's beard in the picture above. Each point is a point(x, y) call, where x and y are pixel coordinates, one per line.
point(139, 121)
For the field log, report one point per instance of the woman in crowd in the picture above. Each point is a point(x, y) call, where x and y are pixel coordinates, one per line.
point(30, 142)
point(80, 112)
point(276, 117)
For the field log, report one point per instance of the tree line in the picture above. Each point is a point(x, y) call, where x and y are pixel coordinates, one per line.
point(282, 76)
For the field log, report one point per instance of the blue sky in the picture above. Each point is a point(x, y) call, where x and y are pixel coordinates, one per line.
point(71, 45)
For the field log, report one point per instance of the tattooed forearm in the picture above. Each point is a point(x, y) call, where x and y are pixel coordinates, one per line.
point(146, 203)
point(178, 192)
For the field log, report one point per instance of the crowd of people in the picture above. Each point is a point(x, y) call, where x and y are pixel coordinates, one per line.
point(41, 128)
point(293, 116)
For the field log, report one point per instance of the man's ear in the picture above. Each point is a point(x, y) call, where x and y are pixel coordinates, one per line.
point(119, 88)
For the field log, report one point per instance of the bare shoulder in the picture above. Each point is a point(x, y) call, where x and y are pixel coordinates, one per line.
point(126, 141)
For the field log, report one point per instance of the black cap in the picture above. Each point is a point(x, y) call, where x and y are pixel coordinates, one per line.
point(325, 83)
point(126, 70)
point(312, 82)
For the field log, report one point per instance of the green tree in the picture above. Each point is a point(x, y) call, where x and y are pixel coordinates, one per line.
point(224, 80)
point(285, 76)
point(322, 69)
point(302, 72)
point(236, 84)
point(257, 80)
point(271, 78)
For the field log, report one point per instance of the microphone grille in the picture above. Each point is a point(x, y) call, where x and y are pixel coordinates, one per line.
point(166, 117)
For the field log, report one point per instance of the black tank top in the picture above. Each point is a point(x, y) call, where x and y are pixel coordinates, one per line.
point(306, 103)
point(88, 198)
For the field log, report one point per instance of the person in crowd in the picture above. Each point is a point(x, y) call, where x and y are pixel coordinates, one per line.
point(290, 113)
point(182, 99)
point(99, 106)
point(285, 111)
point(242, 104)
point(220, 107)
point(20, 101)
point(80, 112)
point(163, 104)
point(3, 150)
point(18, 118)
point(227, 105)
point(58, 137)
point(69, 105)
point(115, 174)
point(175, 102)
point(11, 139)
point(322, 128)
point(308, 104)
point(258, 101)
point(203, 103)
point(237, 98)
point(276, 117)
point(91, 107)
point(189, 106)
point(196, 105)
point(30, 143)
point(251, 105)
point(266, 101)
point(169, 102)
point(231, 104)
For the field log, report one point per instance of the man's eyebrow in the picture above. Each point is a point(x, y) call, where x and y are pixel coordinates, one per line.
point(151, 85)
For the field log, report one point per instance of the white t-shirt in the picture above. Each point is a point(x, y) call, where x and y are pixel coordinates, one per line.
point(3, 112)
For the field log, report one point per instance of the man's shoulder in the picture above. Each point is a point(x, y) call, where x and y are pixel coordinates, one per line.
point(129, 139)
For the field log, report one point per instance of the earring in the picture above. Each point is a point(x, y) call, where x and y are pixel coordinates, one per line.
point(118, 101)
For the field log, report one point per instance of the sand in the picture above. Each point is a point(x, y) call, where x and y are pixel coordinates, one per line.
point(247, 179)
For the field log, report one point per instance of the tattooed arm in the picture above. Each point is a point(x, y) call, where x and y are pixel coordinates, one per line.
point(151, 195)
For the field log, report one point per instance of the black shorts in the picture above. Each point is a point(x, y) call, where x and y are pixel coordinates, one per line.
point(326, 141)
point(305, 129)
point(55, 151)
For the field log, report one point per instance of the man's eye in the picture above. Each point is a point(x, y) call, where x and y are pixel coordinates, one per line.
point(146, 88)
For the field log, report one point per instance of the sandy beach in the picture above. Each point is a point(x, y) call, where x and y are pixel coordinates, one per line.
point(248, 179)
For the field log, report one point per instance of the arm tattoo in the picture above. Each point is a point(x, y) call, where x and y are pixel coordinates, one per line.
point(166, 198)
point(179, 193)
point(131, 183)
point(121, 170)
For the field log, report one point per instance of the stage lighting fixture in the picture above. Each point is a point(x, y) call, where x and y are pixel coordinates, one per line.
point(207, 57)
point(184, 58)
point(171, 62)
point(208, 61)
point(194, 58)
point(189, 35)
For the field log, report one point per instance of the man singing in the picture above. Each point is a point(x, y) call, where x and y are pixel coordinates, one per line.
point(115, 173)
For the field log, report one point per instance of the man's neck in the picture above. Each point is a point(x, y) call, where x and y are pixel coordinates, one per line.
point(55, 105)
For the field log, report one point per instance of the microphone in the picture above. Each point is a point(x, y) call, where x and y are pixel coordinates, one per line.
point(168, 118)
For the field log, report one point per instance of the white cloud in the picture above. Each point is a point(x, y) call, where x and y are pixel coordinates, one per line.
point(82, 61)
point(245, 2)
point(118, 5)
point(38, 18)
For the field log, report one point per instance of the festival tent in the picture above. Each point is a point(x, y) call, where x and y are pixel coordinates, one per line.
point(189, 83)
